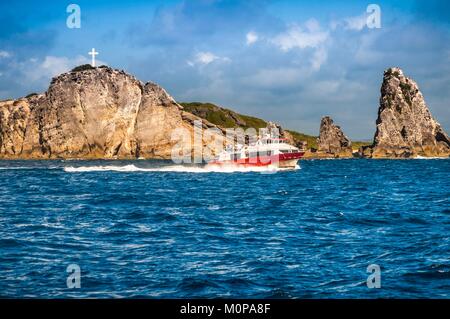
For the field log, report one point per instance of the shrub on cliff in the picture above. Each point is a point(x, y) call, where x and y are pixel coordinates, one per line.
point(222, 116)
point(82, 67)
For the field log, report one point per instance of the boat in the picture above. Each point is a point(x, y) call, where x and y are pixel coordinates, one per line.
point(267, 151)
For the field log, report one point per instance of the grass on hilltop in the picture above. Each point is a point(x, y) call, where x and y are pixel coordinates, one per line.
point(223, 117)
point(357, 144)
point(309, 139)
point(82, 67)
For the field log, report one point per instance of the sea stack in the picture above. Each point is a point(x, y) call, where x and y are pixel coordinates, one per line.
point(405, 127)
point(93, 113)
point(332, 141)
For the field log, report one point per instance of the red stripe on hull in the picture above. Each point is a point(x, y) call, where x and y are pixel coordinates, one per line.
point(262, 160)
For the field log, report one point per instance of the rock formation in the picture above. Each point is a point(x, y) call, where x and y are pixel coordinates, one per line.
point(94, 113)
point(332, 141)
point(405, 127)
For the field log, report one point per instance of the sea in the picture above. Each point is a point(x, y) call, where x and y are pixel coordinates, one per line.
point(349, 228)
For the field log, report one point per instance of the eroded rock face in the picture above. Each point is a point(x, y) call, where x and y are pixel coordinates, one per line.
point(332, 140)
point(19, 127)
point(405, 126)
point(96, 113)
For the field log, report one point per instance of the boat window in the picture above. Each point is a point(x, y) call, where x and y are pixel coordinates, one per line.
point(260, 154)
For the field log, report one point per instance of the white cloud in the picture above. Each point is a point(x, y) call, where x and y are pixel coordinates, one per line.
point(251, 37)
point(51, 66)
point(310, 36)
point(324, 87)
point(366, 52)
point(35, 73)
point(312, 25)
point(297, 37)
point(356, 23)
point(4, 54)
point(205, 58)
point(274, 78)
point(319, 57)
point(216, 86)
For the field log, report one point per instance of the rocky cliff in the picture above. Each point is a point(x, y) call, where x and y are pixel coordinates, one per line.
point(405, 127)
point(332, 142)
point(95, 113)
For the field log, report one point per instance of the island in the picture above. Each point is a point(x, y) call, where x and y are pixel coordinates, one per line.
point(105, 113)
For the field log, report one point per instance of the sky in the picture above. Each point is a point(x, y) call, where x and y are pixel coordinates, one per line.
point(291, 62)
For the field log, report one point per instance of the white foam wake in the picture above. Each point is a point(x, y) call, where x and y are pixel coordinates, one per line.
point(430, 157)
point(175, 168)
point(27, 167)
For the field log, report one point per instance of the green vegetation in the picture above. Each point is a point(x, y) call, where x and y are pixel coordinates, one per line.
point(221, 116)
point(357, 144)
point(309, 139)
point(82, 67)
point(253, 122)
point(389, 72)
point(229, 119)
point(30, 95)
point(389, 101)
point(406, 88)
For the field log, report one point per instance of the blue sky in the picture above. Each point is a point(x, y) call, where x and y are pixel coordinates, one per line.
point(288, 61)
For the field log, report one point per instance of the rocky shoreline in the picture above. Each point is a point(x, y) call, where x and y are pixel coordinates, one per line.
point(103, 113)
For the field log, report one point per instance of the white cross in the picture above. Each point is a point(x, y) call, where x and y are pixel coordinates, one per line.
point(93, 53)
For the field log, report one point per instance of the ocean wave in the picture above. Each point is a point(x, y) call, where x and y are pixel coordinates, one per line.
point(233, 231)
point(174, 168)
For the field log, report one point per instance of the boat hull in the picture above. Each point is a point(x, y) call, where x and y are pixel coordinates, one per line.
point(286, 160)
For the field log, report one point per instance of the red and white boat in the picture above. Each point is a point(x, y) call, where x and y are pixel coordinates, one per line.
point(266, 151)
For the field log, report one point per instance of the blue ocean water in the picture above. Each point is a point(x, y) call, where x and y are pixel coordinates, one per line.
point(150, 229)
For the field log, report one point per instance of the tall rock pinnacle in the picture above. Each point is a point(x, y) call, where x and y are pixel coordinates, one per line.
point(405, 127)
